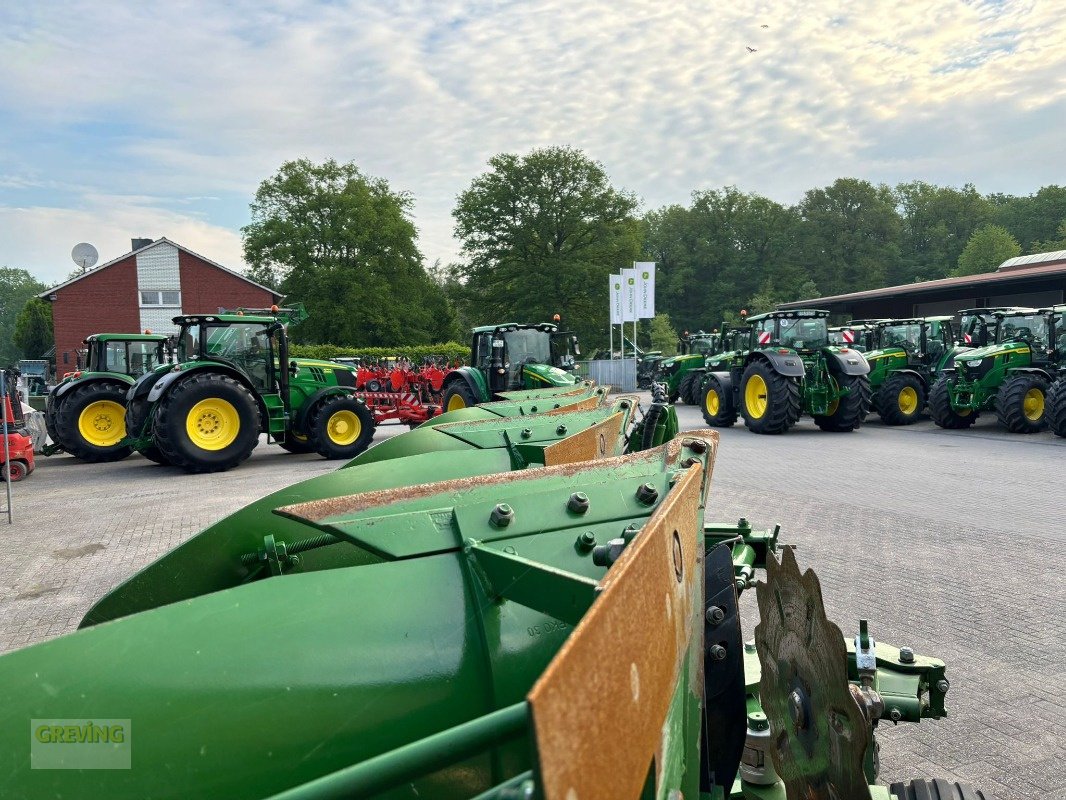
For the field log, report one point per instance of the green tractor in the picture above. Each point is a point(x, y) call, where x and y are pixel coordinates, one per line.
point(908, 357)
point(683, 372)
point(233, 381)
point(788, 369)
point(733, 345)
point(508, 357)
point(1011, 376)
point(858, 334)
point(84, 412)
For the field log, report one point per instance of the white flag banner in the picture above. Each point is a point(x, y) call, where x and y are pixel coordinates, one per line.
point(615, 282)
point(645, 271)
point(629, 295)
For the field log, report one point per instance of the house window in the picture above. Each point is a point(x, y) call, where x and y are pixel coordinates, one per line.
point(161, 297)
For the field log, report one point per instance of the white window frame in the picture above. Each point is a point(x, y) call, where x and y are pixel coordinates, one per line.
point(158, 295)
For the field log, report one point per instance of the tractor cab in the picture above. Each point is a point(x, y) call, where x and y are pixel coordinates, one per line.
point(978, 325)
point(805, 330)
point(922, 341)
point(564, 350)
point(699, 343)
point(248, 343)
point(126, 353)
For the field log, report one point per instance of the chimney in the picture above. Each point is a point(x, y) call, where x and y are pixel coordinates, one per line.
point(139, 243)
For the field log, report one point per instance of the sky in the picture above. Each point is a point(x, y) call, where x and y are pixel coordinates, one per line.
point(148, 119)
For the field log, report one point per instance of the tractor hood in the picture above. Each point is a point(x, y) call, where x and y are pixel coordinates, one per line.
point(669, 364)
point(550, 376)
point(981, 353)
point(887, 352)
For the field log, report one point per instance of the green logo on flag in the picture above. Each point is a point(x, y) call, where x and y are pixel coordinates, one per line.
point(631, 281)
point(646, 276)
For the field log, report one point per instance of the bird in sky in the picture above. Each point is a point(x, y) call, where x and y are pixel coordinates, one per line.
point(753, 50)
point(764, 26)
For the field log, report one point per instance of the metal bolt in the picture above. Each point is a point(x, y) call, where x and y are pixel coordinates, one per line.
point(943, 685)
point(501, 516)
point(578, 503)
point(757, 721)
point(698, 446)
point(586, 541)
point(743, 524)
point(603, 555)
point(715, 615)
point(624, 404)
point(718, 653)
point(906, 655)
point(561, 430)
point(527, 432)
point(630, 533)
point(647, 494)
point(532, 409)
point(690, 462)
point(895, 714)
point(749, 647)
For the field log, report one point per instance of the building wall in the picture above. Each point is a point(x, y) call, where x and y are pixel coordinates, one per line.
point(103, 302)
point(157, 269)
point(205, 288)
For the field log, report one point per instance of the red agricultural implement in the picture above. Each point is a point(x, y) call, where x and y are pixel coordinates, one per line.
point(16, 447)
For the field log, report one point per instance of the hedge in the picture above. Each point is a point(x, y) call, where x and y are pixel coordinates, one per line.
point(415, 353)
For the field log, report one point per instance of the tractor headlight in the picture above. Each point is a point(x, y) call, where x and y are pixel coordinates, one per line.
point(973, 363)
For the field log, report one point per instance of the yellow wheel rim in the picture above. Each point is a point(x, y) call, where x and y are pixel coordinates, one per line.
point(103, 423)
point(456, 401)
point(1033, 405)
point(212, 424)
point(907, 400)
point(712, 402)
point(755, 399)
point(343, 427)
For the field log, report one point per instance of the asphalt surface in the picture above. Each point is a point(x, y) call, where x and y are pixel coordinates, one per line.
point(947, 541)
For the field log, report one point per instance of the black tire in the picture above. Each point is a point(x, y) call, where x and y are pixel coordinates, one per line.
point(51, 407)
point(341, 427)
point(724, 414)
point(684, 389)
point(900, 399)
point(1056, 407)
point(1021, 403)
point(373, 385)
point(102, 406)
point(16, 468)
point(297, 443)
point(941, 411)
point(173, 410)
point(782, 400)
point(458, 392)
point(695, 391)
point(136, 414)
point(851, 409)
point(937, 789)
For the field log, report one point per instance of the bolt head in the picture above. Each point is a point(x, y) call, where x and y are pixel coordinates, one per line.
point(895, 715)
point(715, 614)
point(718, 653)
point(578, 503)
point(561, 430)
point(698, 446)
point(943, 685)
point(502, 515)
point(647, 494)
point(527, 433)
point(906, 655)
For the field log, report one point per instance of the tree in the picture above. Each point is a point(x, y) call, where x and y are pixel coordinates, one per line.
point(17, 286)
point(343, 244)
point(662, 334)
point(33, 328)
point(540, 234)
point(989, 247)
point(937, 221)
point(1032, 219)
point(1052, 245)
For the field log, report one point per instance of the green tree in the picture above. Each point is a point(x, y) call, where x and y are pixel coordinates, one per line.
point(1052, 245)
point(937, 221)
point(540, 234)
point(766, 299)
point(1032, 219)
point(33, 328)
point(17, 286)
point(989, 247)
point(343, 244)
point(850, 236)
point(662, 334)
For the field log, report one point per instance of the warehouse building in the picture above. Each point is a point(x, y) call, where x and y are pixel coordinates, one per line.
point(1035, 281)
point(144, 290)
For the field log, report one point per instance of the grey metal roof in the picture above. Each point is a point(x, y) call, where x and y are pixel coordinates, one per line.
point(1032, 260)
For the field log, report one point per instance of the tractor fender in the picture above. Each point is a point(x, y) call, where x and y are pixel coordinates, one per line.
point(725, 379)
point(144, 384)
point(913, 372)
point(788, 364)
point(195, 368)
point(87, 378)
point(300, 422)
point(1040, 371)
point(474, 380)
point(849, 363)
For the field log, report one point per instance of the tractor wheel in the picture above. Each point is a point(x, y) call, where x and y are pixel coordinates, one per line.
point(684, 389)
point(136, 414)
point(51, 406)
point(717, 404)
point(769, 402)
point(206, 423)
point(373, 385)
point(1056, 407)
point(341, 427)
point(458, 395)
point(900, 400)
point(935, 790)
point(16, 469)
point(297, 443)
point(91, 422)
point(1021, 403)
point(847, 413)
point(941, 411)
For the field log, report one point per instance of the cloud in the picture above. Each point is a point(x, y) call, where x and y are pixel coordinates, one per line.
point(206, 99)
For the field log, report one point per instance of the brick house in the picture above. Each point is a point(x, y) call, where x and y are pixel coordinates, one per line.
point(145, 289)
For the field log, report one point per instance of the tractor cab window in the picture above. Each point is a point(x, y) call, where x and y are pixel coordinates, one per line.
point(482, 350)
point(763, 332)
point(189, 342)
point(1029, 328)
point(115, 359)
point(247, 346)
point(804, 333)
point(144, 357)
point(977, 330)
point(703, 347)
point(525, 346)
point(909, 337)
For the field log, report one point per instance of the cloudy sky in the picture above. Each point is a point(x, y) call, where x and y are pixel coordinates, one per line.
point(121, 120)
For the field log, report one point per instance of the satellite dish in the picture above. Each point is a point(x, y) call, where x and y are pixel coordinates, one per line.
point(84, 255)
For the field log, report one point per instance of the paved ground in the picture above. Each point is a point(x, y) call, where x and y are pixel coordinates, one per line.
point(950, 542)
